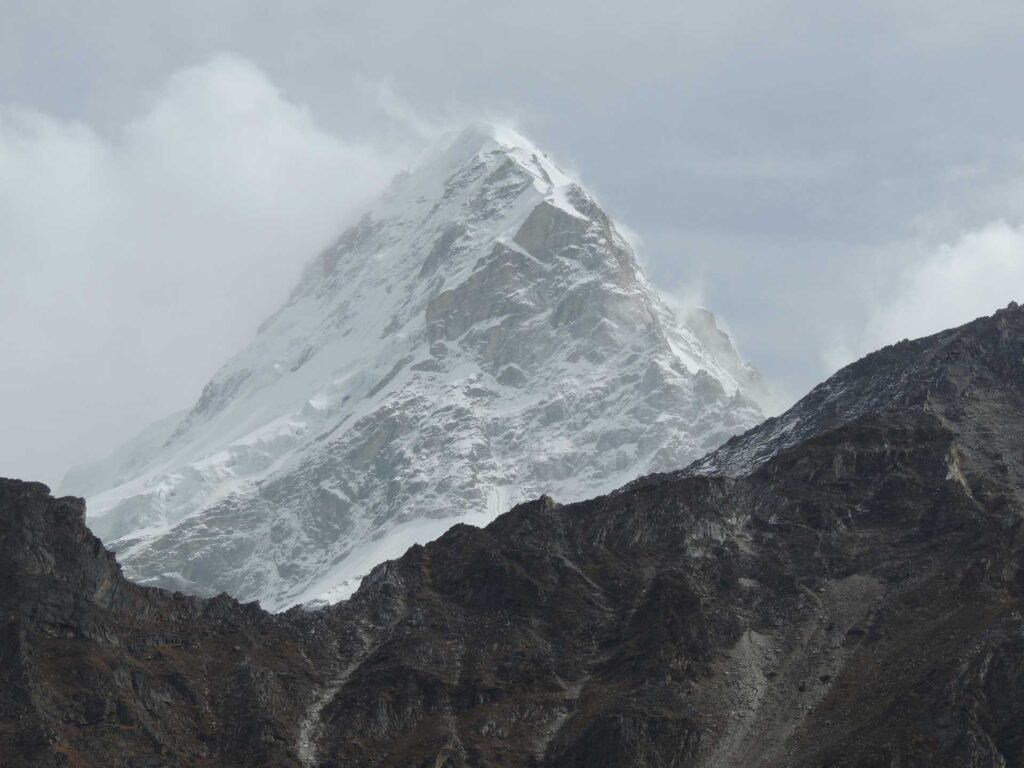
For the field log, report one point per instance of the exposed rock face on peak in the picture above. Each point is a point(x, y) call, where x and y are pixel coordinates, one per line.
point(853, 597)
point(482, 335)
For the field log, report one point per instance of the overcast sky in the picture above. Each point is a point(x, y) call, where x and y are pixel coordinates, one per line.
point(826, 177)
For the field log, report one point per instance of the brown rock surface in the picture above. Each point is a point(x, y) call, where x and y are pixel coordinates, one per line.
point(842, 586)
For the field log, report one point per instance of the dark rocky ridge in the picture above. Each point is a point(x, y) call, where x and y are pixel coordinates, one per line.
point(845, 588)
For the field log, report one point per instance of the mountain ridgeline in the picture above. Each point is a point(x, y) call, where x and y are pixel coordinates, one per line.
point(840, 586)
point(482, 335)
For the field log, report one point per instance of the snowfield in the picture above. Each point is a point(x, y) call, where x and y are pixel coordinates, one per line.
point(481, 336)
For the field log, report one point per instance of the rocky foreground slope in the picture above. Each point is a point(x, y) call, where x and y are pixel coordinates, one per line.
point(843, 586)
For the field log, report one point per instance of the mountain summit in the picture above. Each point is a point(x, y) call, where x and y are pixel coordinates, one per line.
point(482, 335)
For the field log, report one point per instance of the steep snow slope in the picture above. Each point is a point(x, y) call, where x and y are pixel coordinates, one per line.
point(482, 335)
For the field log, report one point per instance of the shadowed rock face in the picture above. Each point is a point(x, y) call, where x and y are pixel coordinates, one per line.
point(843, 586)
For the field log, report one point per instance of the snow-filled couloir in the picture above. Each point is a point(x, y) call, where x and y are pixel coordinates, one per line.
point(481, 336)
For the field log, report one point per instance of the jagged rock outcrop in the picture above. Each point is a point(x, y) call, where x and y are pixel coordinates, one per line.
point(851, 595)
point(484, 334)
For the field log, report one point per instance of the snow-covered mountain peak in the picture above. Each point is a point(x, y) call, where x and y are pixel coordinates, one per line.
point(481, 335)
point(484, 138)
point(477, 147)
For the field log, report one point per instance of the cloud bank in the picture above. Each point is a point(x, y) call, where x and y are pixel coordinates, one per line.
point(135, 263)
point(954, 283)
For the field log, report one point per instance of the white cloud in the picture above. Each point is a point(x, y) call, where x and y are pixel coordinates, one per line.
point(981, 271)
point(134, 264)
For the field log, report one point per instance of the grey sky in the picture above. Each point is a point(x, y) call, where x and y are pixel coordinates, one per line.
point(827, 177)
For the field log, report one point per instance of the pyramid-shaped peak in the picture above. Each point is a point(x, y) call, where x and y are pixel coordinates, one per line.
point(482, 335)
